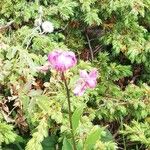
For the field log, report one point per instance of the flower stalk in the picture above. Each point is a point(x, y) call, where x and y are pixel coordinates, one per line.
point(69, 109)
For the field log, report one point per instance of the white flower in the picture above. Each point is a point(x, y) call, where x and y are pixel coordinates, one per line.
point(47, 27)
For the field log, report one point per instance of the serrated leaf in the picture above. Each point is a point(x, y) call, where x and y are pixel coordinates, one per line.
point(43, 103)
point(92, 138)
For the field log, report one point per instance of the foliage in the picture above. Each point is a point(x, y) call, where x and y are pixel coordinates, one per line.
point(38, 137)
point(33, 105)
point(138, 132)
point(6, 133)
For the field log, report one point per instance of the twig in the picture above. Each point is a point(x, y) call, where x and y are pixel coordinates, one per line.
point(29, 37)
point(116, 134)
point(97, 49)
point(90, 47)
point(12, 111)
point(133, 79)
point(123, 137)
point(63, 28)
point(28, 43)
point(2, 28)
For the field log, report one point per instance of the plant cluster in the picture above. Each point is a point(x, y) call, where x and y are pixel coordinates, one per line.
point(109, 109)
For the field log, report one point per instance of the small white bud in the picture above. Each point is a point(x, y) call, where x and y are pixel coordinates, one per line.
point(47, 27)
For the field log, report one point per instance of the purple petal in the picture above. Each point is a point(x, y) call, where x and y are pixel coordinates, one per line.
point(80, 89)
point(83, 74)
point(62, 60)
point(93, 74)
point(52, 57)
point(91, 83)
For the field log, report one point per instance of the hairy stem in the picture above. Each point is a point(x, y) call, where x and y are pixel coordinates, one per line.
point(90, 47)
point(69, 109)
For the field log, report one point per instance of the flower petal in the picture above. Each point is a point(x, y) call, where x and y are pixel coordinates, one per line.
point(80, 89)
point(93, 73)
point(91, 83)
point(47, 27)
point(83, 74)
point(62, 60)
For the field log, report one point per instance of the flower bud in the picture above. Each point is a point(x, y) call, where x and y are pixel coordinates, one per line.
point(47, 27)
point(62, 60)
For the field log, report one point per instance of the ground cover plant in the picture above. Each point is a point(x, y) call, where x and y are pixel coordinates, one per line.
point(74, 75)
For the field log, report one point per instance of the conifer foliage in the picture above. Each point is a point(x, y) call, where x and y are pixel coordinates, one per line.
point(110, 35)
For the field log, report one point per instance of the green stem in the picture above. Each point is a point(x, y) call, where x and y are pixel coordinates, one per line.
point(69, 109)
point(19, 147)
point(124, 142)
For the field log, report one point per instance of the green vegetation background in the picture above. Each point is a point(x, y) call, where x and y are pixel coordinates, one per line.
point(116, 114)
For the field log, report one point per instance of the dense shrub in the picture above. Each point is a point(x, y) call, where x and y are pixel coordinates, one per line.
point(111, 35)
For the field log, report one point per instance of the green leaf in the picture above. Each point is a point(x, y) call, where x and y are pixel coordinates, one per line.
point(107, 136)
point(49, 142)
point(7, 135)
point(80, 145)
point(11, 53)
point(92, 138)
point(76, 117)
point(43, 103)
point(35, 143)
point(66, 145)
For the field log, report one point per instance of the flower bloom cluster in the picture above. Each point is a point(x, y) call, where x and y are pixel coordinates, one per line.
point(87, 80)
point(61, 61)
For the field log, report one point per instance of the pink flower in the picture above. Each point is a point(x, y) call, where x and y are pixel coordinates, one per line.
point(62, 60)
point(86, 81)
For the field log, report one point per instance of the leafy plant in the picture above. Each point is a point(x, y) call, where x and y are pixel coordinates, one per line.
point(112, 36)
